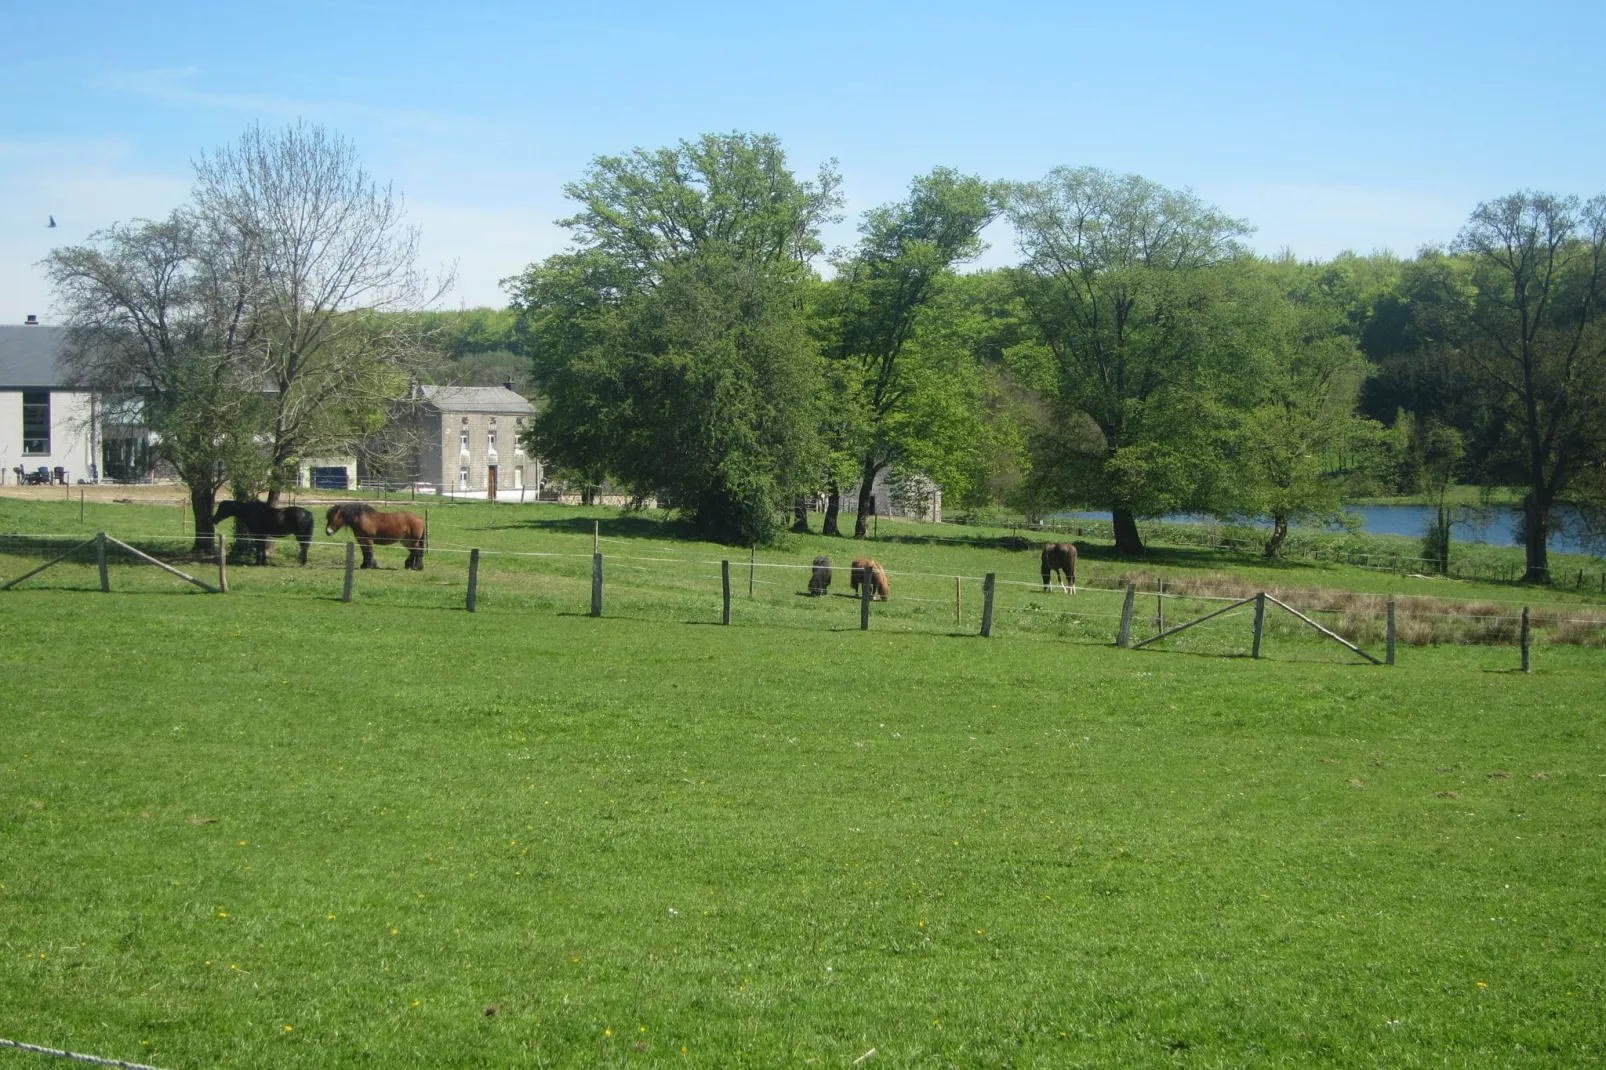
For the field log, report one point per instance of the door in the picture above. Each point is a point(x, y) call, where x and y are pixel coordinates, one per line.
point(490, 481)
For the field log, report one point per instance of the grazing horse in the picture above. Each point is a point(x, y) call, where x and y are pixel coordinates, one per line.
point(871, 573)
point(261, 523)
point(1060, 557)
point(821, 578)
point(370, 526)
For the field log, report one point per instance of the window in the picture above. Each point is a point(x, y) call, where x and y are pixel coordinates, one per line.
point(462, 478)
point(490, 441)
point(463, 441)
point(35, 422)
point(518, 478)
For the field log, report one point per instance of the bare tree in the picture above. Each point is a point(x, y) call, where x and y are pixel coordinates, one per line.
point(330, 268)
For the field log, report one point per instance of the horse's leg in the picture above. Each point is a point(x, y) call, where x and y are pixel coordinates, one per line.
point(306, 545)
point(367, 553)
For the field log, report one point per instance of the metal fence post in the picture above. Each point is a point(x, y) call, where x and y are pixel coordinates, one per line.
point(100, 563)
point(1124, 638)
point(351, 570)
point(473, 578)
point(596, 585)
point(725, 584)
point(1525, 666)
point(987, 587)
point(1260, 621)
point(864, 601)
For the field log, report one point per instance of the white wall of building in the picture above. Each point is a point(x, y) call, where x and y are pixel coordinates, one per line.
point(71, 439)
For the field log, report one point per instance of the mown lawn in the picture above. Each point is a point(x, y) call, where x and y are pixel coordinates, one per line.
point(269, 828)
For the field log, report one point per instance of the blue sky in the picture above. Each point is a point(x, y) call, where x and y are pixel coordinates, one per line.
point(1328, 126)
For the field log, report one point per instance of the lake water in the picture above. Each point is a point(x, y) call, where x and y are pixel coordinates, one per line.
point(1497, 526)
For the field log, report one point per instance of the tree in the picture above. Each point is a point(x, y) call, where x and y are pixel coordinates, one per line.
point(1304, 414)
point(326, 259)
point(1523, 305)
point(904, 392)
point(671, 345)
point(1131, 289)
point(155, 309)
point(1440, 449)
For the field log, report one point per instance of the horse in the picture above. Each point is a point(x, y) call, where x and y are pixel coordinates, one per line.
point(261, 523)
point(821, 578)
point(871, 573)
point(370, 526)
point(1060, 557)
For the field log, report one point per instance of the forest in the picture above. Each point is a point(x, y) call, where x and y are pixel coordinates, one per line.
point(697, 342)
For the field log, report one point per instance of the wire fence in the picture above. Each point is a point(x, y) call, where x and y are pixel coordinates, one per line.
point(628, 580)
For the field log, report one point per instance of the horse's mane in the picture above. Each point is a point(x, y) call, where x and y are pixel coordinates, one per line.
point(352, 510)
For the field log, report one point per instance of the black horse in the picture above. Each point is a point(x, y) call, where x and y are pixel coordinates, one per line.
point(262, 523)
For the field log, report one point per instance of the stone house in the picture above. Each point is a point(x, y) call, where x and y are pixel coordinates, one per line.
point(466, 440)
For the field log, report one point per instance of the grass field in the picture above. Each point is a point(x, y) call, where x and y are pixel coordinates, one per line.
point(270, 828)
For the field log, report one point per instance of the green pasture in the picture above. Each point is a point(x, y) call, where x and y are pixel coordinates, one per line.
point(271, 829)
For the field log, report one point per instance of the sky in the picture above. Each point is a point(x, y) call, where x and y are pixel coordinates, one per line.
point(1360, 126)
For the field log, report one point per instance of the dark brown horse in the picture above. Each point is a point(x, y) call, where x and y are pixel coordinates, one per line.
point(370, 526)
point(870, 572)
point(261, 523)
point(1060, 557)
point(820, 579)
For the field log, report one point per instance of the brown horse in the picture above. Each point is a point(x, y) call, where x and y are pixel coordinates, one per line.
point(870, 572)
point(1060, 557)
point(370, 526)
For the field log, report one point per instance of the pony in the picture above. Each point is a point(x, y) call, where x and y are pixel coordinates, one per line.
point(873, 575)
point(820, 580)
point(370, 526)
point(261, 523)
point(1060, 557)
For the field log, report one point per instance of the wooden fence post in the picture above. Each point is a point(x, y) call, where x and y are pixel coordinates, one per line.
point(987, 586)
point(222, 558)
point(596, 585)
point(864, 601)
point(1260, 621)
point(81, 508)
point(183, 513)
point(100, 563)
point(1124, 638)
point(1389, 655)
point(1525, 667)
point(725, 585)
point(596, 537)
point(473, 579)
point(351, 570)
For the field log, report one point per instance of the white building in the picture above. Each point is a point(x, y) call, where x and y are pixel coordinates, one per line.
point(44, 423)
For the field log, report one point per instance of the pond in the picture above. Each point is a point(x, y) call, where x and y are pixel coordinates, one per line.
point(1495, 526)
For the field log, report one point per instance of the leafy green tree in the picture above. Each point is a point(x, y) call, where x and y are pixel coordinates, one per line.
point(1305, 411)
point(152, 311)
point(1134, 291)
point(1522, 307)
point(1440, 451)
point(671, 346)
point(909, 389)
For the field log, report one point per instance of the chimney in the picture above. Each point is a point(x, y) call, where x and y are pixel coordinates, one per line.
point(505, 386)
point(31, 321)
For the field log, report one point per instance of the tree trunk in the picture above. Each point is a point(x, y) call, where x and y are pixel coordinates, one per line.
point(833, 506)
point(800, 515)
point(861, 523)
point(203, 499)
point(1279, 532)
point(273, 496)
point(1127, 541)
point(1535, 526)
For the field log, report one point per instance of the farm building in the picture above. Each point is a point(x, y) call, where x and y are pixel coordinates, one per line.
point(466, 440)
point(47, 423)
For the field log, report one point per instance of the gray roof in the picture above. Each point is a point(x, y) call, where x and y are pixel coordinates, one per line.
point(28, 356)
point(476, 399)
